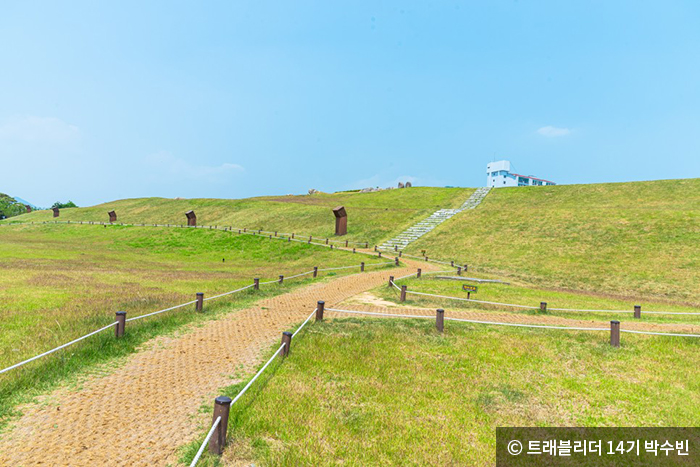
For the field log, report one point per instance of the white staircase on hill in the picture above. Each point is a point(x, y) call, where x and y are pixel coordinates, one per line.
point(416, 231)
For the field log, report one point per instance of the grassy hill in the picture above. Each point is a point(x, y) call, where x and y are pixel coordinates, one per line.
point(372, 217)
point(625, 239)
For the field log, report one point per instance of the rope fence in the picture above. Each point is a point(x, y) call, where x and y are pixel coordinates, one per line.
point(17, 365)
point(542, 307)
point(223, 403)
point(121, 319)
point(242, 230)
point(520, 325)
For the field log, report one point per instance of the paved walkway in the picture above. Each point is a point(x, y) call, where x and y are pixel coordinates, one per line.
point(146, 409)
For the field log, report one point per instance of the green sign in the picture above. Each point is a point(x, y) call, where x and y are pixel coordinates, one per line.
point(470, 288)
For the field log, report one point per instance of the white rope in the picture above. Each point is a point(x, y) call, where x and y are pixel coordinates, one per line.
point(468, 299)
point(229, 293)
point(343, 267)
point(161, 311)
point(356, 266)
point(551, 309)
point(627, 311)
point(304, 323)
point(651, 333)
point(406, 276)
point(378, 314)
point(240, 394)
point(206, 440)
point(16, 365)
point(299, 275)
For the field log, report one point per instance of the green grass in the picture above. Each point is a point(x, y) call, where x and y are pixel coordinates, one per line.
point(627, 239)
point(372, 217)
point(395, 392)
point(58, 282)
point(525, 294)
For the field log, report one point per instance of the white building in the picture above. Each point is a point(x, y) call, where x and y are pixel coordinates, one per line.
point(498, 175)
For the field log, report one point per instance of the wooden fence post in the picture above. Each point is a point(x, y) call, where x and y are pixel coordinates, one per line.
point(615, 333)
point(459, 271)
point(256, 284)
point(391, 280)
point(199, 305)
point(400, 253)
point(315, 271)
point(121, 323)
point(638, 311)
point(403, 293)
point(353, 250)
point(543, 306)
point(222, 406)
point(419, 273)
point(362, 266)
point(286, 339)
point(440, 320)
point(396, 261)
point(466, 267)
point(320, 306)
point(375, 248)
point(281, 278)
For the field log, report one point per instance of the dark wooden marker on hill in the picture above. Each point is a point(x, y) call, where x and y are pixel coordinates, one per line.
point(341, 220)
point(56, 212)
point(112, 216)
point(191, 218)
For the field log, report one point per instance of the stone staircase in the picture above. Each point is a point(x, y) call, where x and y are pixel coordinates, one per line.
point(416, 231)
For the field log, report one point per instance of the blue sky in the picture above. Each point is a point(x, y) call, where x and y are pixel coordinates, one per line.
point(106, 100)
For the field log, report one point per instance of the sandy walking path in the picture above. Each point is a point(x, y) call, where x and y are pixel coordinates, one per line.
point(145, 410)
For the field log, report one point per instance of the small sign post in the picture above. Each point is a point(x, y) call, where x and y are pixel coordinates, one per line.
point(469, 289)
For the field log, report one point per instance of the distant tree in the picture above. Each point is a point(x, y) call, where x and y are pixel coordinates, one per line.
point(10, 206)
point(60, 205)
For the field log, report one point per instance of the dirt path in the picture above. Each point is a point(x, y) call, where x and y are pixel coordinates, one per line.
point(142, 412)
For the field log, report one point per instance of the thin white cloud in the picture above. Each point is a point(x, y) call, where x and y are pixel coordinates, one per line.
point(34, 129)
point(552, 131)
point(167, 165)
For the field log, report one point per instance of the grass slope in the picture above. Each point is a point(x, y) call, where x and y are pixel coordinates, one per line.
point(372, 217)
point(390, 392)
point(626, 239)
point(58, 282)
